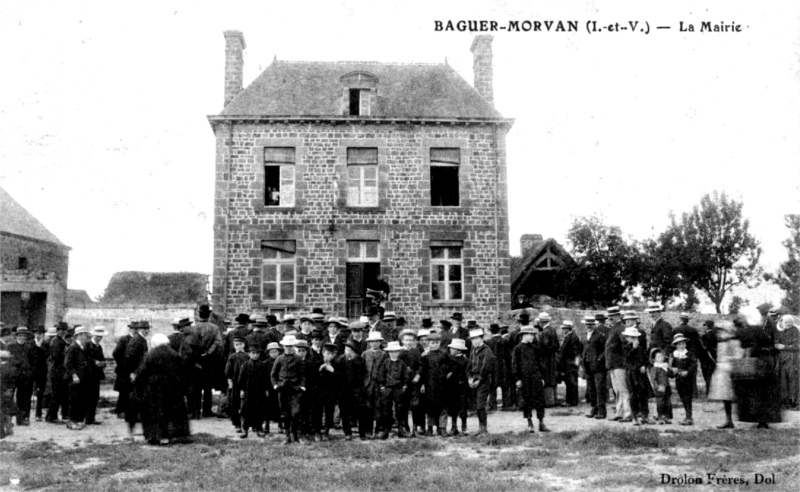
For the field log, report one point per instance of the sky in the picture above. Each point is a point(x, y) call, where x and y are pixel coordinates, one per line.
point(104, 136)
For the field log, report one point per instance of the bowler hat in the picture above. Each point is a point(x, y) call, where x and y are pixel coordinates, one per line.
point(331, 347)
point(243, 318)
point(353, 345)
point(301, 344)
point(457, 316)
point(427, 322)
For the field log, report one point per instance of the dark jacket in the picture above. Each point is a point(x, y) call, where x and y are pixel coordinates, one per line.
point(288, 370)
point(528, 366)
point(594, 353)
point(397, 374)
point(58, 349)
point(548, 345)
point(353, 373)
point(175, 340)
point(96, 354)
point(376, 373)
point(481, 365)
point(134, 354)
point(78, 361)
point(118, 354)
point(258, 338)
point(435, 367)
point(24, 357)
point(571, 349)
point(661, 335)
point(615, 356)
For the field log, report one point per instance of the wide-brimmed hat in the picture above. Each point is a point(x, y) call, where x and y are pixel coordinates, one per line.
point(678, 338)
point(306, 318)
point(427, 322)
point(494, 328)
point(459, 344)
point(332, 319)
point(543, 316)
point(393, 347)
point(528, 329)
point(272, 320)
point(317, 314)
point(613, 310)
point(423, 332)
point(601, 316)
point(353, 345)
point(389, 316)
point(181, 322)
point(139, 325)
point(654, 307)
point(289, 341)
point(685, 316)
point(301, 344)
point(375, 336)
point(630, 315)
point(99, 331)
point(22, 330)
point(343, 322)
point(407, 332)
point(567, 323)
point(589, 320)
point(631, 332)
point(357, 326)
point(476, 333)
point(653, 352)
point(80, 329)
point(289, 318)
point(273, 346)
point(457, 316)
point(62, 326)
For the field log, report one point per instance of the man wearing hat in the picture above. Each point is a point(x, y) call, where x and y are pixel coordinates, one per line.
point(259, 336)
point(377, 325)
point(615, 363)
point(135, 352)
point(601, 318)
point(211, 360)
point(496, 344)
point(426, 323)
point(709, 341)
point(357, 336)
point(480, 373)
point(548, 344)
point(508, 387)
point(457, 387)
point(40, 351)
point(122, 382)
point(311, 406)
point(661, 332)
point(336, 334)
point(23, 356)
point(307, 326)
point(458, 331)
point(527, 372)
point(241, 330)
point(390, 318)
point(569, 357)
point(97, 374)
point(78, 367)
point(594, 368)
point(176, 337)
point(288, 379)
point(59, 388)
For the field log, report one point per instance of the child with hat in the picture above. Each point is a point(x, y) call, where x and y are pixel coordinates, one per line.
point(375, 361)
point(233, 368)
point(659, 376)
point(309, 404)
point(457, 387)
point(351, 397)
point(252, 386)
point(527, 373)
point(635, 361)
point(288, 379)
point(273, 408)
point(329, 385)
point(480, 373)
point(435, 367)
point(396, 380)
point(412, 357)
point(684, 367)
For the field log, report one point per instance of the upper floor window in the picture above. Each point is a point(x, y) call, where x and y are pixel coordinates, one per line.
point(279, 176)
point(22, 263)
point(360, 88)
point(359, 102)
point(446, 271)
point(278, 271)
point(362, 176)
point(444, 176)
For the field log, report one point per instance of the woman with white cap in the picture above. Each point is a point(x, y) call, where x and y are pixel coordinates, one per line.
point(787, 343)
point(160, 390)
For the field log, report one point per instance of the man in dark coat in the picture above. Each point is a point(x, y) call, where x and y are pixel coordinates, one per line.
point(615, 363)
point(310, 408)
point(242, 330)
point(190, 352)
point(694, 345)
point(661, 332)
point(594, 367)
point(40, 351)
point(376, 324)
point(458, 331)
point(177, 335)
point(259, 336)
point(135, 352)
point(569, 357)
point(23, 355)
point(253, 386)
point(211, 360)
point(480, 376)
point(97, 374)
point(527, 369)
point(602, 327)
point(160, 388)
point(548, 344)
point(79, 371)
point(508, 386)
point(412, 357)
point(122, 382)
point(709, 341)
point(55, 366)
point(434, 368)
point(289, 380)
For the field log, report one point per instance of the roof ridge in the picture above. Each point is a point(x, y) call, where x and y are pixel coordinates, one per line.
point(309, 62)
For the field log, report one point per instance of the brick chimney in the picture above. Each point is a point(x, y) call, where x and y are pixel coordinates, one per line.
point(482, 66)
point(234, 64)
point(528, 241)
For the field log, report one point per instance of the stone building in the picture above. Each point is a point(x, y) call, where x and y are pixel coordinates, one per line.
point(329, 173)
point(33, 268)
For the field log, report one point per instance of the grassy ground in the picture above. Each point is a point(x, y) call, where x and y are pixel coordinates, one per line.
point(604, 459)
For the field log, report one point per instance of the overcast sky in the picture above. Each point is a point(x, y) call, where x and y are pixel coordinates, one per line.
point(104, 137)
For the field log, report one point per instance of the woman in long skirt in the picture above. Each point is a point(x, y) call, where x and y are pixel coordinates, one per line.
point(758, 400)
point(160, 391)
point(787, 343)
point(728, 348)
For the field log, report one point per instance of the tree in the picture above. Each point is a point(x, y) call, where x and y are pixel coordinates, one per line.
point(661, 279)
point(736, 304)
point(714, 250)
point(788, 275)
point(606, 264)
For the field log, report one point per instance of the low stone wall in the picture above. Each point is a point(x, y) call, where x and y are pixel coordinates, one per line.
point(115, 318)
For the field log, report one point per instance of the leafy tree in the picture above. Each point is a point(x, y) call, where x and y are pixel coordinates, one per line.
point(713, 248)
point(736, 304)
point(606, 264)
point(661, 279)
point(788, 275)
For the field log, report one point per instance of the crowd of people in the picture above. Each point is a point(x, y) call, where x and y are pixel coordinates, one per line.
point(376, 376)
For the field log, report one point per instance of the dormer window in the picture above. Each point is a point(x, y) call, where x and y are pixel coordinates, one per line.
point(360, 93)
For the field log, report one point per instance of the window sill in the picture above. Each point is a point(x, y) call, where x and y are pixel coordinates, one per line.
point(445, 208)
point(280, 304)
point(464, 304)
point(368, 210)
point(279, 210)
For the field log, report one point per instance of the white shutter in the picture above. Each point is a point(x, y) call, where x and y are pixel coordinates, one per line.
point(287, 186)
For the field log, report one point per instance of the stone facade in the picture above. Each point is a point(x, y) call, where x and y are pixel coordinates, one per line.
point(320, 222)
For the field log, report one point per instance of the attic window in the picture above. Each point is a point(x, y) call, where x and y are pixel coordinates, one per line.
point(23, 263)
point(359, 102)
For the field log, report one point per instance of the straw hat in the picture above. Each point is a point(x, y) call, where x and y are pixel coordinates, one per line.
point(679, 338)
point(393, 347)
point(289, 341)
point(476, 333)
point(375, 336)
point(458, 344)
point(631, 332)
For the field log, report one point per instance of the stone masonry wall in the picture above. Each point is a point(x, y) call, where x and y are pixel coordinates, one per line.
point(321, 222)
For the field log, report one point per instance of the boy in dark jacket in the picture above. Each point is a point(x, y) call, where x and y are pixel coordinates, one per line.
point(233, 368)
point(684, 367)
point(289, 380)
point(308, 399)
point(351, 397)
point(374, 360)
point(480, 376)
point(396, 378)
point(527, 371)
point(412, 356)
point(660, 377)
point(435, 367)
point(253, 388)
point(329, 385)
point(457, 387)
point(273, 412)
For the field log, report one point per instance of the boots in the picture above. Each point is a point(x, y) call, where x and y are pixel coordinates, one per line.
point(453, 428)
point(287, 428)
point(530, 425)
point(481, 423)
point(464, 426)
point(542, 427)
point(243, 435)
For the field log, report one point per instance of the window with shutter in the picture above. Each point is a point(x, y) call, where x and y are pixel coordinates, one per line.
point(279, 176)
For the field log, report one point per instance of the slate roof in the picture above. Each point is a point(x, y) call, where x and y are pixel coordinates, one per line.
point(14, 219)
point(404, 90)
point(527, 265)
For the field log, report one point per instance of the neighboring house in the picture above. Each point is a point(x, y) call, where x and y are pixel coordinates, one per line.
point(329, 173)
point(540, 260)
point(34, 266)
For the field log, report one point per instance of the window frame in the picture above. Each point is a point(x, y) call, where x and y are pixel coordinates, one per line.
point(343, 177)
point(362, 190)
point(447, 262)
point(283, 258)
point(363, 256)
point(465, 171)
point(282, 167)
point(257, 168)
